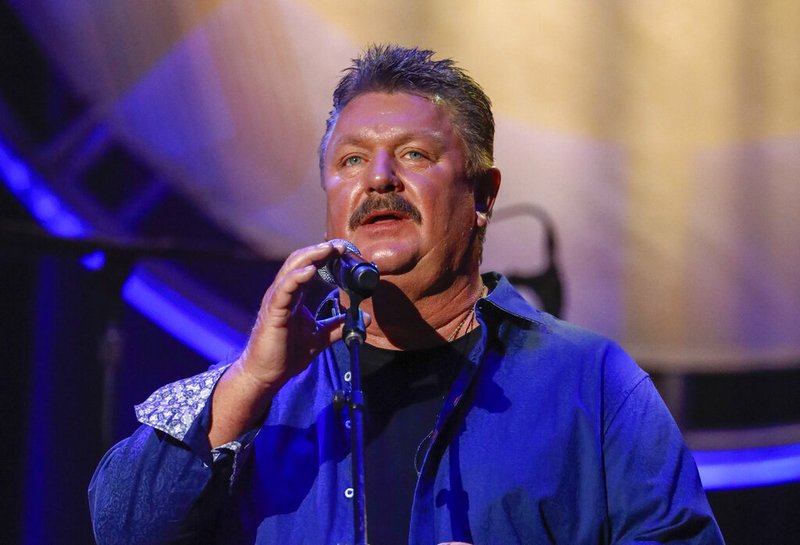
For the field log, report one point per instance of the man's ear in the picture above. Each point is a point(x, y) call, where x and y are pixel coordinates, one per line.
point(487, 185)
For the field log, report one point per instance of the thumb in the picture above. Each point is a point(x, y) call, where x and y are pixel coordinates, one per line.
point(331, 328)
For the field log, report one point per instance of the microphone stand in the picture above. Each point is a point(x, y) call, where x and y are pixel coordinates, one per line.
point(358, 278)
point(354, 335)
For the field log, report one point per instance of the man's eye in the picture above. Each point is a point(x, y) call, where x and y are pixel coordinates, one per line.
point(414, 154)
point(352, 160)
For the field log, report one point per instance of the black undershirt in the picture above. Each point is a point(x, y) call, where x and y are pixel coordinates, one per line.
point(404, 392)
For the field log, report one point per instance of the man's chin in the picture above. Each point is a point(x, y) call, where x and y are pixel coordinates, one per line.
point(393, 265)
point(391, 258)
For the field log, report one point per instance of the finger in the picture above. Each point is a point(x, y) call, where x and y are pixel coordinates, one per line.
point(299, 268)
point(284, 296)
point(311, 255)
point(298, 296)
point(330, 329)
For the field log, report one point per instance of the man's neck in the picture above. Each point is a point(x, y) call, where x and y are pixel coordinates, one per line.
point(412, 317)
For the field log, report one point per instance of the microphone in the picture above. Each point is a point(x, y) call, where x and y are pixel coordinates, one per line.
point(350, 271)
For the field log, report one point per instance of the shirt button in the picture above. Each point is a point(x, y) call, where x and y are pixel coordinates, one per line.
point(347, 424)
point(348, 493)
point(347, 376)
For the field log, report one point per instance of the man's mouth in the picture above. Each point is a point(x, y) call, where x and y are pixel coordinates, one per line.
point(384, 209)
point(383, 216)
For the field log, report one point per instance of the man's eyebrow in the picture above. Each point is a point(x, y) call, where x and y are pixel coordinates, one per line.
point(348, 140)
point(357, 139)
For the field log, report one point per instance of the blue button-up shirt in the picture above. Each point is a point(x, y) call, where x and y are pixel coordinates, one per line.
point(550, 434)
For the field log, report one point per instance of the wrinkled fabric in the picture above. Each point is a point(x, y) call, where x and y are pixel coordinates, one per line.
point(550, 434)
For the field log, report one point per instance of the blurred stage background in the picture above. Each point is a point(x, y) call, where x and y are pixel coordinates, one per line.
point(658, 142)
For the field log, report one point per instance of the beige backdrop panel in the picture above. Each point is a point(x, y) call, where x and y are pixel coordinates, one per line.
point(661, 136)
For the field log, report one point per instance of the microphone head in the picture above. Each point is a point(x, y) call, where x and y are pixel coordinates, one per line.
point(325, 271)
point(347, 244)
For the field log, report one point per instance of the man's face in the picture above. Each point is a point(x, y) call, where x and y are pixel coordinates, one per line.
point(394, 175)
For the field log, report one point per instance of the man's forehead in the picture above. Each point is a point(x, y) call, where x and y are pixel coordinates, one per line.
point(383, 101)
point(365, 135)
point(402, 115)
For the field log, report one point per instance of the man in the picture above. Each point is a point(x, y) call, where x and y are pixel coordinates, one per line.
point(489, 422)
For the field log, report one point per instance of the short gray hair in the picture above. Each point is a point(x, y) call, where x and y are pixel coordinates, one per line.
point(391, 69)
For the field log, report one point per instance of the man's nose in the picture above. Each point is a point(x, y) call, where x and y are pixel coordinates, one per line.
point(382, 176)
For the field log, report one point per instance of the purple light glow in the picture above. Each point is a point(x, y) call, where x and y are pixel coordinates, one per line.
point(196, 328)
point(747, 468)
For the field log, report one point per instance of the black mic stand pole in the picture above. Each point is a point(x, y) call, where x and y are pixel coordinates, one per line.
point(354, 335)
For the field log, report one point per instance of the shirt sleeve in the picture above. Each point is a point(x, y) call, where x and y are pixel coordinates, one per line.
point(164, 484)
point(653, 487)
point(173, 408)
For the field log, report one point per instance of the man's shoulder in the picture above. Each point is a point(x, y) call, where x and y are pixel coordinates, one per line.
point(537, 342)
point(506, 297)
point(507, 302)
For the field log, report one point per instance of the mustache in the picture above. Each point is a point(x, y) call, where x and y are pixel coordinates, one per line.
point(390, 202)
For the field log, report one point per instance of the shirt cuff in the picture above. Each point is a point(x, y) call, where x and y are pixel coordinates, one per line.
point(173, 408)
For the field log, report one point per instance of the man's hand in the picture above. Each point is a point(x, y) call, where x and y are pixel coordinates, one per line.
point(285, 337)
point(283, 342)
